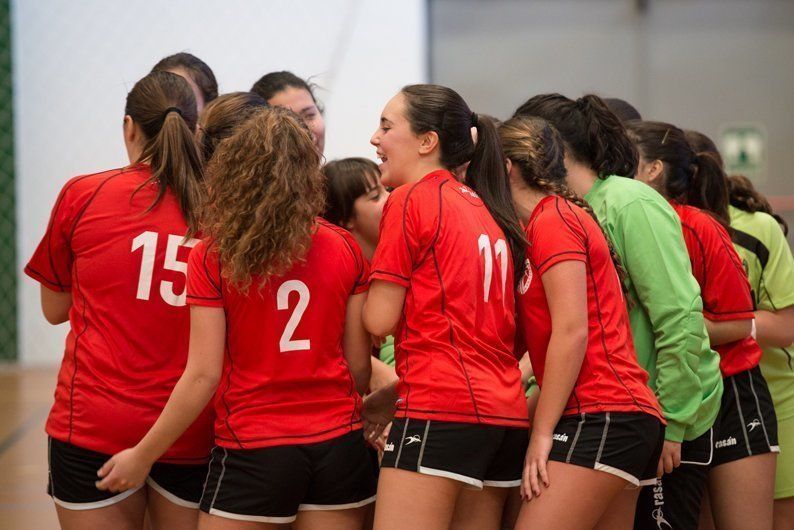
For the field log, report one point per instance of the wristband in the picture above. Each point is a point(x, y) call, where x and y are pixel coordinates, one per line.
point(753, 330)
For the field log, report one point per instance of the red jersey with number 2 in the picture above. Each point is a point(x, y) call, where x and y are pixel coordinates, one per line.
point(285, 379)
point(129, 325)
point(454, 342)
point(610, 379)
point(723, 284)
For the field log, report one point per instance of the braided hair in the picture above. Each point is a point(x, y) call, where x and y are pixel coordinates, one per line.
point(537, 149)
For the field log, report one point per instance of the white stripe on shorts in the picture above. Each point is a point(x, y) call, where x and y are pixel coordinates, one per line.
point(253, 518)
point(476, 484)
point(170, 496)
point(94, 505)
point(348, 506)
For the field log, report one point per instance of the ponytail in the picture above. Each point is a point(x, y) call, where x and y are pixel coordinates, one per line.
point(442, 110)
point(744, 196)
point(709, 188)
point(537, 150)
point(164, 107)
point(487, 175)
point(611, 151)
point(593, 134)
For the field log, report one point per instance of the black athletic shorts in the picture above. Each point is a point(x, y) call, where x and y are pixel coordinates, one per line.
point(624, 444)
point(73, 476)
point(747, 423)
point(477, 455)
point(270, 485)
point(673, 502)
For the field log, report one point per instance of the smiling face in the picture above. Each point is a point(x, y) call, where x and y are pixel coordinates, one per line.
point(400, 150)
point(301, 102)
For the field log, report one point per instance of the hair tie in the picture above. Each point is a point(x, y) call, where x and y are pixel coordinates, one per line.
point(172, 109)
point(474, 119)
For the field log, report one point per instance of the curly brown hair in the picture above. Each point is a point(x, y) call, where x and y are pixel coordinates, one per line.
point(266, 191)
point(538, 150)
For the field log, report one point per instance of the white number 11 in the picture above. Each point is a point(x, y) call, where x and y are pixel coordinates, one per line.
point(500, 250)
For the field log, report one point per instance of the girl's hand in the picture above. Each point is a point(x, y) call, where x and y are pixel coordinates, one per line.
point(125, 470)
point(535, 465)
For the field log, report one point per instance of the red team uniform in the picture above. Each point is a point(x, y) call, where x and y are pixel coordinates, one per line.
point(129, 327)
point(747, 424)
point(285, 380)
point(611, 380)
point(288, 421)
point(454, 342)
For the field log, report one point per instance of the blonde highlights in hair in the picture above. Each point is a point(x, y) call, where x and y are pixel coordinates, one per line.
point(266, 191)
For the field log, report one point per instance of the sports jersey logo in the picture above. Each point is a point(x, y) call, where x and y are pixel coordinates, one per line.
point(753, 424)
point(725, 443)
point(388, 447)
point(560, 437)
point(412, 439)
point(659, 519)
point(464, 189)
point(526, 279)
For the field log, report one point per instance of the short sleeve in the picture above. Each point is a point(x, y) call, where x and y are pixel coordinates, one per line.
point(777, 278)
point(204, 277)
point(555, 236)
point(398, 245)
point(51, 263)
point(724, 286)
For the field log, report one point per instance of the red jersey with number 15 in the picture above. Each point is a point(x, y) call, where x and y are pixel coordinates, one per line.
point(723, 284)
point(129, 326)
point(285, 379)
point(454, 342)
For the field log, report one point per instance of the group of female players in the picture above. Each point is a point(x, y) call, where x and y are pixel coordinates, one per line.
point(543, 323)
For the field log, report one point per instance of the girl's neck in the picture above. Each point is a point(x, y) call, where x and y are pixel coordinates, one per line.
point(526, 200)
point(580, 178)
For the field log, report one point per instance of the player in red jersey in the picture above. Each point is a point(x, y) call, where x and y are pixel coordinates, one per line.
point(276, 297)
point(597, 425)
point(745, 441)
point(113, 264)
point(443, 285)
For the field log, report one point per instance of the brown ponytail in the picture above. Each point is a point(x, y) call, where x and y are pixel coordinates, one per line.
point(690, 178)
point(219, 119)
point(442, 110)
point(537, 149)
point(164, 107)
point(592, 133)
point(744, 196)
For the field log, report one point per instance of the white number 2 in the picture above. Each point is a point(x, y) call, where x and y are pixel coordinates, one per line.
point(500, 250)
point(148, 240)
point(287, 343)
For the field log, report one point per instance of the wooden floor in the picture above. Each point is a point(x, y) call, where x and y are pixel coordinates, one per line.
point(25, 400)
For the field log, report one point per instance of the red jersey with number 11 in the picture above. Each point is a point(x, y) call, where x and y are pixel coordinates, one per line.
point(285, 379)
point(129, 326)
point(454, 343)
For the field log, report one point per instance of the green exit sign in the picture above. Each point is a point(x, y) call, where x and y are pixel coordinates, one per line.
point(743, 148)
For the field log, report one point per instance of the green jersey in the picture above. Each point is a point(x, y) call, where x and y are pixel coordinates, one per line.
point(387, 351)
point(665, 308)
point(767, 259)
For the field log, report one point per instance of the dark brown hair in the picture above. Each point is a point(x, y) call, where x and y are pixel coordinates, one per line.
point(744, 196)
point(701, 143)
point(199, 72)
point(537, 149)
point(346, 180)
point(219, 119)
point(442, 110)
point(271, 84)
point(690, 178)
point(593, 135)
point(267, 190)
point(162, 104)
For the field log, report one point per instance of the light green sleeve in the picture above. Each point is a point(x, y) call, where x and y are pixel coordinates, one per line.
point(657, 262)
point(387, 351)
point(776, 289)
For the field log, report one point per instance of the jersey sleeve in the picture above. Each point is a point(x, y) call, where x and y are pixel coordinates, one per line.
point(656, 259)
point(556, 236)
point(398, 245)
point(777, 278)
point(51, 263)
point(204, 287)
point(723, 282)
